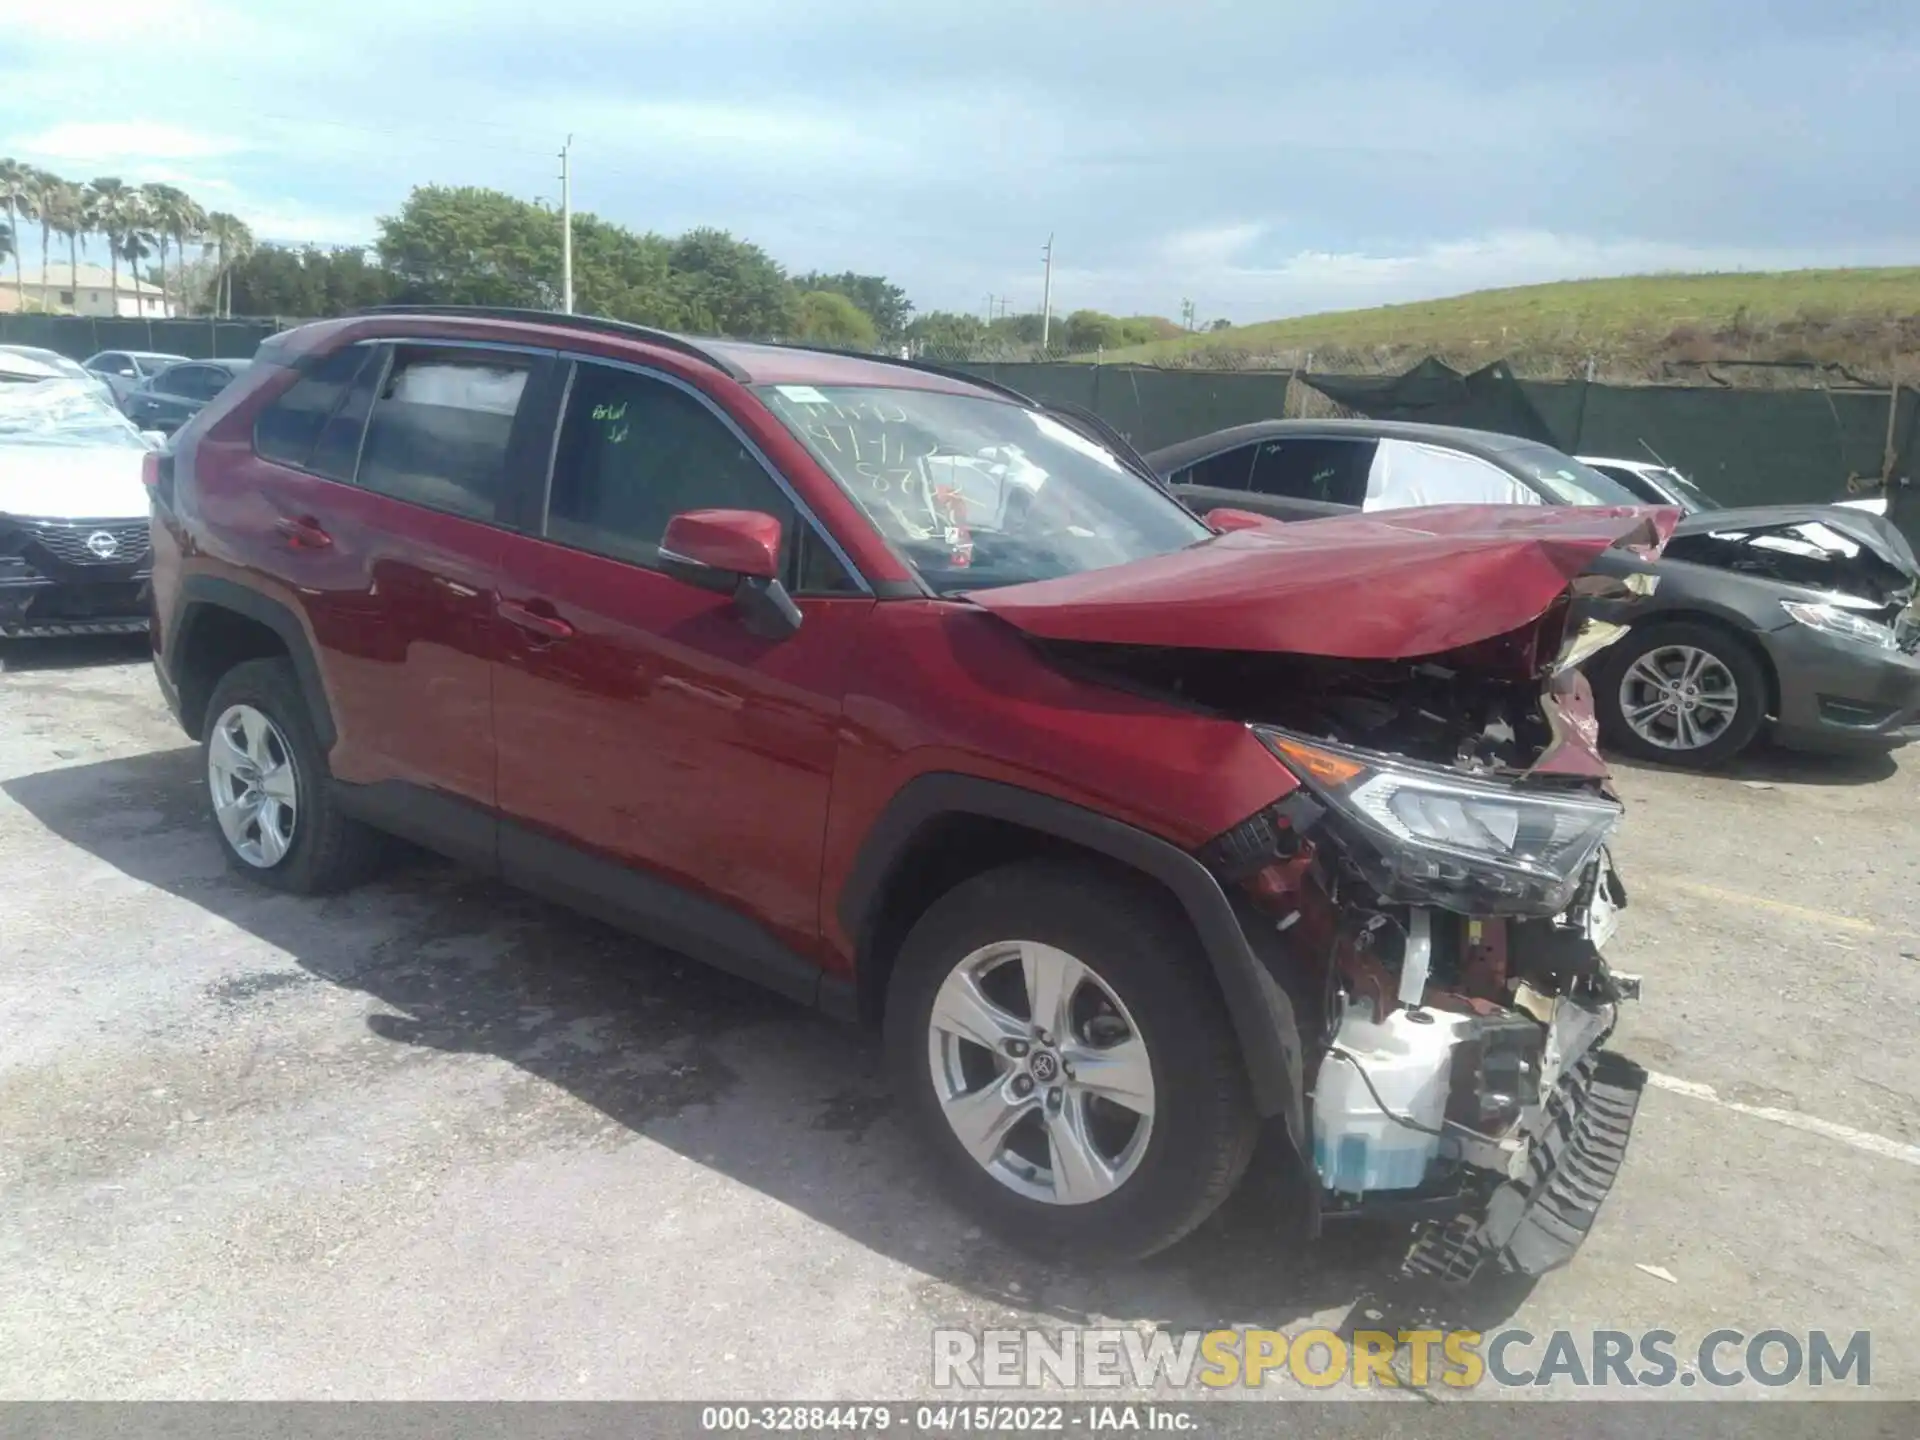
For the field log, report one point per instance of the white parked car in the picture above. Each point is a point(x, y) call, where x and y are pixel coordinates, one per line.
point(1653, 482)
point(75, 553)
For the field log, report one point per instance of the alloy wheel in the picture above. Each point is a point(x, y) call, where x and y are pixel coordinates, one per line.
point(1679, 697)
point(1041, 1072)
point(255, 785)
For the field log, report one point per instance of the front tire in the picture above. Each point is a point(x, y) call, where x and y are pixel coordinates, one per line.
point(267, 779)
point(1064, 1055)
point(1680, 692)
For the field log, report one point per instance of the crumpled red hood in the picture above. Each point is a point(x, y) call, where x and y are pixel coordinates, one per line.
point(1386, 586)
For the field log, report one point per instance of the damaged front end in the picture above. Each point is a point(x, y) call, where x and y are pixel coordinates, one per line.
point(1443, 929)
point(1435, 893)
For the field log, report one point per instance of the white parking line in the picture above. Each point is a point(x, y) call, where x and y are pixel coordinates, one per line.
point(1793, 1120)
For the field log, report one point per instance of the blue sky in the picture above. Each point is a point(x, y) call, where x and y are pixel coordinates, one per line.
point(1262, 157)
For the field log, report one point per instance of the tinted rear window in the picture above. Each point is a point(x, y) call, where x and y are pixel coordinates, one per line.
point(289, 428)
point(440, 428)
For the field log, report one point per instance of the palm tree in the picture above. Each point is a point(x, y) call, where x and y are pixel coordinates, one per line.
point(136, 242)
point(46, 194)
point(174, 218)
point(230, 240)
point(66, 212)
point(16, 193)
point(110, 202)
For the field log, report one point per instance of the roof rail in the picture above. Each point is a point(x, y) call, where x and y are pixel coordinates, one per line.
point(591, 323)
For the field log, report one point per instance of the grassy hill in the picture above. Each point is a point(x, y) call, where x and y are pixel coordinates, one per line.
point(1631, 327)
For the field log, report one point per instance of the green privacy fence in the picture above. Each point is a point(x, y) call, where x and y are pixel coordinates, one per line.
point(80, 336)
point(1743, 446)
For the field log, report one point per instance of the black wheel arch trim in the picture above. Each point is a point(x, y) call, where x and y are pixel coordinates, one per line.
point(1262, 1015)
point(200, 594)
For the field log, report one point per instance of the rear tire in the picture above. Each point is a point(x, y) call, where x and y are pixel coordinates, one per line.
point(1141, 1038)
point(1681, 692)
point(272, 796)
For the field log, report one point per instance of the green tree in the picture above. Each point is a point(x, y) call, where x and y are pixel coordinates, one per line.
point(174, 219)
point(732, 287)
point(883, 303)
point(625, 276)
point(16, 193)
point(110, 206)
point(66, 213)
point(230, 241)
point(826, 317)
point(464, 245)
point(943, 334)
point(308, 282)
point(1090, 330)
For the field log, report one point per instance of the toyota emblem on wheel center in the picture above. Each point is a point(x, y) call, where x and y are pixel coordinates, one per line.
point(103, 545)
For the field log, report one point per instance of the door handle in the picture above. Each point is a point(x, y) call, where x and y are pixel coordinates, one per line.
point(302, 532)
point(537, 622)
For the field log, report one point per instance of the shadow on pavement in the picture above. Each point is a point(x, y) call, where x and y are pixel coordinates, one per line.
point(1768, 764)
point(77, 652)
point(745, 1083)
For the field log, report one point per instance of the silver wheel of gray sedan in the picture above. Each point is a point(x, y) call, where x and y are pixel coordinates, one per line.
point(255, 785)
point(1679, 697)
point(1041, 1072)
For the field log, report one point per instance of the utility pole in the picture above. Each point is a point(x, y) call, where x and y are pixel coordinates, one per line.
point(566, 230)
point(1046, 297)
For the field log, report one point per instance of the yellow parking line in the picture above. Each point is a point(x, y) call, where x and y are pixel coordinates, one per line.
point(1762, 902)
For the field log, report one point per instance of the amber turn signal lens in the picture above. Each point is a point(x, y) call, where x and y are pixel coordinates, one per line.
point(1327, 768)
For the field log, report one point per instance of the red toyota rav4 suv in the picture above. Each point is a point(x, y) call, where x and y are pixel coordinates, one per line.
point(927, 705)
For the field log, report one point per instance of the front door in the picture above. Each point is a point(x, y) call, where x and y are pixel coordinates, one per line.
point(658, 762)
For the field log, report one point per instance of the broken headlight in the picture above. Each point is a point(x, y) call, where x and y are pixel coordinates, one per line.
point(1838, 620)
point(1423, 835)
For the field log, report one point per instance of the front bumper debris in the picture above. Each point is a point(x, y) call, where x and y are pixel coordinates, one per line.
point(1535, 1222)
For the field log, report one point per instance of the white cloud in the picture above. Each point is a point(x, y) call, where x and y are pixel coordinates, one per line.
point(1209, 249)
point(126, 142)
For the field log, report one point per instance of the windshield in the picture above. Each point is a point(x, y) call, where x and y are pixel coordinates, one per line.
point(1566, 479)
point(976, 492)
point(1689, 494)
point(64, 412)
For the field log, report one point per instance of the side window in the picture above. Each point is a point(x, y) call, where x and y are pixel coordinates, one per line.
point(634, 452)
point(1314, 468)
point(1640, 485)
point(1406, 473)
point(290, 427)
point(194, 382)
point(1226, 471)
point(114, 365)
point(440, 426)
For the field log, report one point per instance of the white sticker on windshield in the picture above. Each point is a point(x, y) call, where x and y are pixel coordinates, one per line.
point(801, 394)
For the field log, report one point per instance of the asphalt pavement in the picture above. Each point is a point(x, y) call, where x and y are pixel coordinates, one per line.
point(438, 1139)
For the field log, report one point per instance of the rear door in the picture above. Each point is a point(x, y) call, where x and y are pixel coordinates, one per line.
point(176, 395)
point(383, 479)
point(658, 762)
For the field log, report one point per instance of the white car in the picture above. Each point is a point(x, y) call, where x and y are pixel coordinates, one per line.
point(25, 364)
point(75, 553)
point(1653, 482)
point(1663, 485)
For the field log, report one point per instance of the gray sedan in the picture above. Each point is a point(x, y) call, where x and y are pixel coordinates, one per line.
point(1797, 620)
